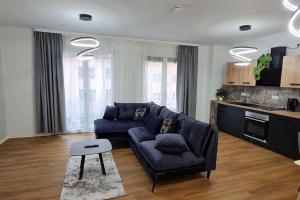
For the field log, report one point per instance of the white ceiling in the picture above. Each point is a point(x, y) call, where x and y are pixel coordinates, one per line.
point(201, 21)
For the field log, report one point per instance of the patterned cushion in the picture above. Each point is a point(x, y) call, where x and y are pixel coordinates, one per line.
point(169, 126)
point(140, 113)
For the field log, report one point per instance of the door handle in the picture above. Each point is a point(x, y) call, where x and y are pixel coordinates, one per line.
point(246, 83)
point(295, 84)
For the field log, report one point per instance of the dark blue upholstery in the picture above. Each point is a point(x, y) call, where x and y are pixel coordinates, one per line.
point(160, 161)
point(166, 113)
point(126, 111)
point(107, 128)
point(171, 143)
point(140, 134)
point(201, 139)
point(154, 108)
point(110, 113)
point(194, 132)
point(153, 123)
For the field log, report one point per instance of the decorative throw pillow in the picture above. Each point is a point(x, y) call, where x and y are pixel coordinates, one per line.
point(110, 113)
point(140, 113)
point(171, 143)
point(169, 126)
point(153, 123)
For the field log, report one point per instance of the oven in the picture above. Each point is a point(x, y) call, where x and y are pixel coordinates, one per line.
point(257, 126)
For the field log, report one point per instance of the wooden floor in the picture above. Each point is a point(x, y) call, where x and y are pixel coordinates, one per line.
point(34, 168)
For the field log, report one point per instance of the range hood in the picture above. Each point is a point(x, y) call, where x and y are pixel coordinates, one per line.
point(271, 76)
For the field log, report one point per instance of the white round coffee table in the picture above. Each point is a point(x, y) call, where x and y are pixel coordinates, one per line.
point(90, 147)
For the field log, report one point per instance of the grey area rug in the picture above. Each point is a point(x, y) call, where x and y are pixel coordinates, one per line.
point(93, 185)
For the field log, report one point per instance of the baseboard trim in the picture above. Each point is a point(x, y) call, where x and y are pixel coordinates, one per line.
point(3, 140)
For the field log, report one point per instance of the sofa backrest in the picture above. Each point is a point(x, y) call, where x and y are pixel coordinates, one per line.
point(196, 133)
point(166, 113)
point(127, 110)
point(154, 109)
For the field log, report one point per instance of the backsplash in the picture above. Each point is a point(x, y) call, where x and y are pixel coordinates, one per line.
point(263, 95)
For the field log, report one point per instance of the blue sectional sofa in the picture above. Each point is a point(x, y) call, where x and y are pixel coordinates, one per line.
point(200, 137)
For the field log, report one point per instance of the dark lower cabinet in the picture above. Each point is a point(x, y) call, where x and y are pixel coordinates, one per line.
point(231, 120)
point(283, 135)
point(282, 132)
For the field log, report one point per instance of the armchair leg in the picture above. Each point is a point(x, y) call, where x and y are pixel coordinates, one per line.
point(208, 174)
point(154, 183)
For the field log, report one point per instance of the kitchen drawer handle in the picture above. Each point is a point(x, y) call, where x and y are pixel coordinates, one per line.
point(246, 83)
point(231, 82)
point(295, 84)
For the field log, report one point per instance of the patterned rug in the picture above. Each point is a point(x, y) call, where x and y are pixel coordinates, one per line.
point(94, 185)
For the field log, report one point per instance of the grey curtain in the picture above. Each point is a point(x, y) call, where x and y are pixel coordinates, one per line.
point(187, 70)
point(49, 82)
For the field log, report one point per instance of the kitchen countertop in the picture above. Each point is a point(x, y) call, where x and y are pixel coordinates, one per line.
point(285, 113)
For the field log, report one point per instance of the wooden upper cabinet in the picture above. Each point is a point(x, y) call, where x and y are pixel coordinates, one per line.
point(240, 75)
point(232, 74)
point(247, 74)
point(290, 77)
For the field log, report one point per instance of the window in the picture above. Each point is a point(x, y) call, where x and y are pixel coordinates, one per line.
point(161, 77)
point(87, 91)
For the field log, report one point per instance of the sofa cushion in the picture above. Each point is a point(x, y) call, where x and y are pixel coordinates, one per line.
point(140, 134)
point(169, 125)
point(171, 143)
point(195, 133)
point(153, 123)
point(110, 112)
point(140, 113)
point(126, 111)
point(108, 126)
point(154, 108)
point(160, 161)
point(166, 113)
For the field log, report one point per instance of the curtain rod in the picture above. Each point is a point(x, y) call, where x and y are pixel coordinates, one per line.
point(116, 37)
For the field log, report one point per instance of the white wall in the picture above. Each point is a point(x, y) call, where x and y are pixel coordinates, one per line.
point(264, 44)
point(17, 91)
point(18, 81)
point(3, 131)
point(211, 72)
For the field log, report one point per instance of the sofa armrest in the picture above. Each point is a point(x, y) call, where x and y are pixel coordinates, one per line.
point(212, 149)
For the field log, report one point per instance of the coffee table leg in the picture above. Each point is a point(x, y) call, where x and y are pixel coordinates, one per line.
point(81, 167)
point(102, 164)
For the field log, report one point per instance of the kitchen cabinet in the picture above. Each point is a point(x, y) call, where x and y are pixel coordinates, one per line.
point(240, 75)
point(283, 135)
point(232, 74)
point(247, 74)
point(290, 77)
point(231, 120)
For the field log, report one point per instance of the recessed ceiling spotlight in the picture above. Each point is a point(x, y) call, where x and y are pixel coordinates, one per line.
point(178, 8)
point(245, 28)
point(85, 17)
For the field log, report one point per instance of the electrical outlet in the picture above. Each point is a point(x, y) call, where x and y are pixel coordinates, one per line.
point(274, 97)
point(243, 94)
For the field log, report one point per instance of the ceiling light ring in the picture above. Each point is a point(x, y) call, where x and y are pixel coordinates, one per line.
point(92, 46)
point(83, 54)
point(290, 6)
point(81, 42)
point(291, 26)
point(238, 52)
